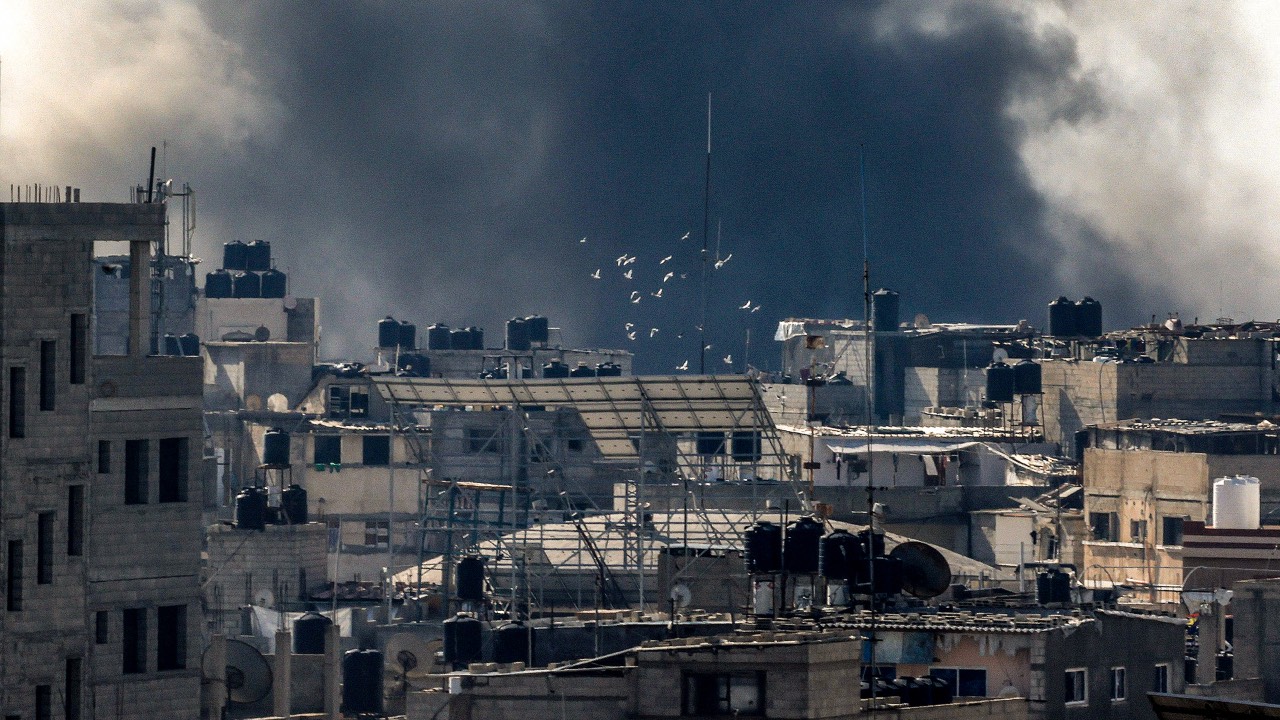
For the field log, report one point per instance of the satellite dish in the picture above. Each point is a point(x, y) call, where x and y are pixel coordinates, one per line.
point(290, 302)
point(925, 572)
point(922, 321)
point(253, 402)
point(262, 334)
point(681, 596)
point(410, 661)
point(264, 598)
point(999, 355)
point(248, 674)
point(277, 402)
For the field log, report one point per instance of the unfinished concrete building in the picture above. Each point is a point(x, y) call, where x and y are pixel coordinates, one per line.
point(102, 543)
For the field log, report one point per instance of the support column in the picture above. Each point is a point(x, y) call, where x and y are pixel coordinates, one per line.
point(217, 682)
point(283, 685)
point(332, 671)
point(139, 298)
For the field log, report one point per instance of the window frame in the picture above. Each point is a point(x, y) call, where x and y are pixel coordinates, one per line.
point(1161, 671)
point(133, 641)
point(75, 520)
point(1083, 685)
point(694, 683)
point(378, 453)
point(1119, 684)
point(332, 456)
point(44, 547)
point(48, 375)
point(171, 638)
point(1165, 521)
point(377, 530)
point(14, 575)
point(1112, 520)
point(137, 471)
point(173, 457)
point(956, 682)
point(17, 402)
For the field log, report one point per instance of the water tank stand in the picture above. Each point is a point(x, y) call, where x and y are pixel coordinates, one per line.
point(283, 477)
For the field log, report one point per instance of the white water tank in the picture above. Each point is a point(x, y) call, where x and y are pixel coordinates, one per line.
point(1236, 503)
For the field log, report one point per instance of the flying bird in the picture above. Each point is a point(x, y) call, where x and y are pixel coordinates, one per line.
point(596, 275)
point(582, 240)
point(668, 276)
point(720, 263)
point(628, 274)
point(632, 259)
point(653, 331)
point(631, 335)
point(746, 305)
point(686, 236)
point(665, 260)
point(728, 359)
point(630, 325)
point(755, 309)
point(635, 296)
point(707, 346)
point(621, 259)
point(657, 294)
point(684, 276)
point(683, 366)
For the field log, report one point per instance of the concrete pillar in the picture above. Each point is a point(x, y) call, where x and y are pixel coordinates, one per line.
point(217, 682)
point(283, 685)
point(1210, 639)
point(139, 298)
point(332, 671)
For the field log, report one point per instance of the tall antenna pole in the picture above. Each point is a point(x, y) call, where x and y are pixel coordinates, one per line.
point(706, 230)
point(868, 377)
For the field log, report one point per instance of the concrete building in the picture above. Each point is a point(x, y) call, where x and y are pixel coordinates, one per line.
point(277, 568)
point(101, 569)
point(1143, 481)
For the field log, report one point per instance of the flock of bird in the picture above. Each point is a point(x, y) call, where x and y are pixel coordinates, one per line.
point(625, 266)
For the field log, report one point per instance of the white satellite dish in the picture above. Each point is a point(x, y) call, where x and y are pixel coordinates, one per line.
point(922, 321)
point(999, 355)
point(264, 598)
point(681, 595)
point(277, 402)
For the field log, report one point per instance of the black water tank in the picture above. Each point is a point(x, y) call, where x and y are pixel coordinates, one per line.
point(275, 284)
point(582, 370)
point(171, 345)
point(539, 329)
point(608, 370)
point(915, 692)
point(1089, 318)
point(555, 369)
point(438, 337)
point(362, 682)
point(407, 338)
point(763, 544)
point(246, 285)
point(1060, 587)
point(1026, 378)
point(872, 543)
point(884, 310)
point(745, 445)
point(388, 332)
point(251, 509)
point(217, 284)
point(888, 575)
point(190, 343)
point(840, 551)
point(517, 334)
point(275, 448)
point(460, 339)
point(414, 365)
point(293, 505)
point(710, 442)
point(1044, 591)
point(941, 690)
point(258, 256)
point(801, 549)
point(470, 577)
point(235, 255)
point(999, 382)
point(477, 338)
point(511, 643)
point(1062, 318)
point(463, 641)
point(308, 633)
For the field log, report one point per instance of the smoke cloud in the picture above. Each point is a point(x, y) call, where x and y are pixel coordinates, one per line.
point(443, 162)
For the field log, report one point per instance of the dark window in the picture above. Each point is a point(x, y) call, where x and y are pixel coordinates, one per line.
point(44, 702)
point(1160, 682)
point(44, 548)
point(339, 402)
point(48, 373)
point(102, 627)
point(17, 402)
point(483, 441)
point(359, 404)
point(328, 450)
point(1103, 526)
point(104, 457)
point(79, 333)
point(1119, 684)
point(134, 636)
point(1171, 530)
point(13, 577)
point(376, 533)
point(171, 637)
point(574, 444)
point(75, 520)
point(71, 692)
point(377, 449)
point(724, 693)
point(173, 469)
point(966, 682)
point(1076, 686)
point(136, 463)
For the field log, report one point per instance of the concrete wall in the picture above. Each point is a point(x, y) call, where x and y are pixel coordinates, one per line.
point(284, 562)
point(1257, 636)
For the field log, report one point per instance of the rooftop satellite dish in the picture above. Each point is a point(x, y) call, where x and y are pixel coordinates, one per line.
point(681, 595)
point(410, 660)
point(922, 321)
point(999, 355)
point(262, 334)
point(277, 402)
point(264, 598)
point(925, 572)
point(290, 302)
point(248, 674)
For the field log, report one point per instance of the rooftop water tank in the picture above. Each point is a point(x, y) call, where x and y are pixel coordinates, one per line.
point(884, 310)
point(840, 551)
point(190, 343)
point(275, 284)
point(1000, 379)
point(217, 284)
point(1062, 318)
point(258, 256)
point(246, 285)
point(463, 640)
point(539, 329)
point(517, 334)
point(235, 255)
point(608, 370)
point(460, 339)
point(582, 370)
point(293, 505)
point(388, 332)
point(555, 369)
point(477, 338)
point(763, 544)
point(1026, 378)
point(308, 633)
point(513, 642)
point(275, 448)
point(438, 337)
point(407, 337)
point(801, 547)
point(1089, 318)
point(1236, 503)
point(470, 577)
point(251, 509)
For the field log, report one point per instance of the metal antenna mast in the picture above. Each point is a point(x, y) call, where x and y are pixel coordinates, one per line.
point(868, 377)
point(706, 229)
